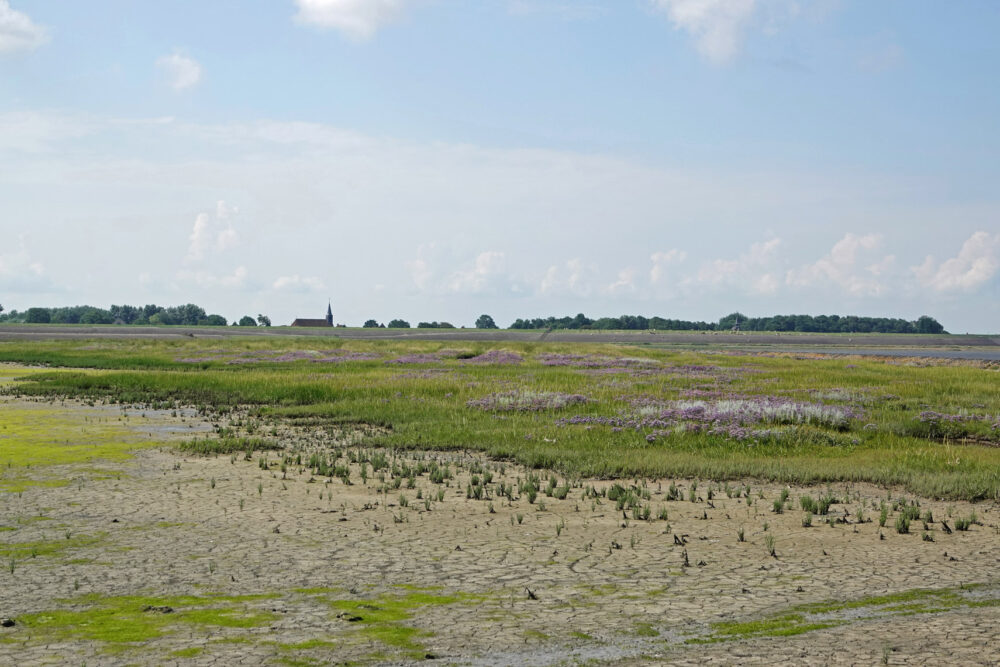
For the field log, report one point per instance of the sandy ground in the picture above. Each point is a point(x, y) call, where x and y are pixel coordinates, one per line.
point(609, 588)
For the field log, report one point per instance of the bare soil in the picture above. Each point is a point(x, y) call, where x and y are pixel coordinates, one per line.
point(550, 582)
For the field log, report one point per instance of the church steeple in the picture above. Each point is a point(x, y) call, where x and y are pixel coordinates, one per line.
point(329, 314)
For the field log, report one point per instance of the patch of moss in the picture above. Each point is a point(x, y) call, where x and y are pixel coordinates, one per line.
point(382, 619)
point(34, 436)
point(646, 630)
point(187, 652)
point(21, 550)
point(132, 619)
point(817, 616)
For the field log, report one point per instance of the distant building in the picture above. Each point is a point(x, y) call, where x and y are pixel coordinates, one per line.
point(327, 322)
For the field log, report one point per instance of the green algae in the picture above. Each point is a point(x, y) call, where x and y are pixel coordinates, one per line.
point(383, 619)
point(118, 621)
point(804, 618)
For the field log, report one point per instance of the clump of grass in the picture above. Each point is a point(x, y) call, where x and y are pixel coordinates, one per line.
point(902, 523)
point(769, 545)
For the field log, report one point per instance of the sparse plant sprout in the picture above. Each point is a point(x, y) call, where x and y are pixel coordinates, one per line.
point(927, 537)
point(741, 535)
point(807, 520)
point(883, 515)
point(769, 545)
point(520, 518)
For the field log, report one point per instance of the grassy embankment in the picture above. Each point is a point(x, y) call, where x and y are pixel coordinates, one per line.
point(886, 432)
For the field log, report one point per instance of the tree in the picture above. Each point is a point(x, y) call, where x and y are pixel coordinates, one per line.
point(370, 324)
point(399, 324)
point(213, 321)
point(486, 322)
point(263, 320)
point(1, 307)
point(247, 321)
point(925, 324)
point(38, 316)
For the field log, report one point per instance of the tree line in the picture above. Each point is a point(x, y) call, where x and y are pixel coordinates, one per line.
point(187, 315)
point(801, 323)
point(193, 315)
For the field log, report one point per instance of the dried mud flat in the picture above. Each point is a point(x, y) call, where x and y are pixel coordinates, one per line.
point(173, 559)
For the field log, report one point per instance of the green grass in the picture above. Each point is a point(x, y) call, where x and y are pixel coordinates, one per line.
point(418, 410)
point(46, 548)
point(127, 619)
point(804, 618)
point(384, 619)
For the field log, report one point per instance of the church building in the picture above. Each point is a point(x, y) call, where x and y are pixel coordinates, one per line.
point(328, 322)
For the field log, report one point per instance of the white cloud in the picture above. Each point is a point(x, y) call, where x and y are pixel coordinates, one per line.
point(17, 31)
point(359, 19)
point(573, 278)
point(751, 271)
point(662, 260)
point(20, 272)
point(841, 267)
point(297, 283)
point(976, 263)
point(182, 72)
point(716, 25)
point(486, 272)
point(624, 284)
point(213, 234)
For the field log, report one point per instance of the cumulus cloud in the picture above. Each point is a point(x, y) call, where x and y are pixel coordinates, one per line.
point(181, 71)
point(842, 267)
point(358, 19)
point(623, 284)
point(486, 272)
point(20, 272)
point(751, 271)
point(213, 234)
point(718, 26)
point(662, 260)
point(17, 31)
point(977, 262)
point(573, 278)
point(297, 283)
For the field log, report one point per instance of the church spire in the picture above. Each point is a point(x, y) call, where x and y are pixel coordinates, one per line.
point(329, 313)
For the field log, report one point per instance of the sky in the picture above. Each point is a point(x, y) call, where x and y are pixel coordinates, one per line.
point(441, 159)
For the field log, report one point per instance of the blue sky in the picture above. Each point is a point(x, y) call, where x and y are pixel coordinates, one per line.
point(436, 159)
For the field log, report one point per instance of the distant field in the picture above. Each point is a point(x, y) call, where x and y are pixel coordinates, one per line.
point(982, 347)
